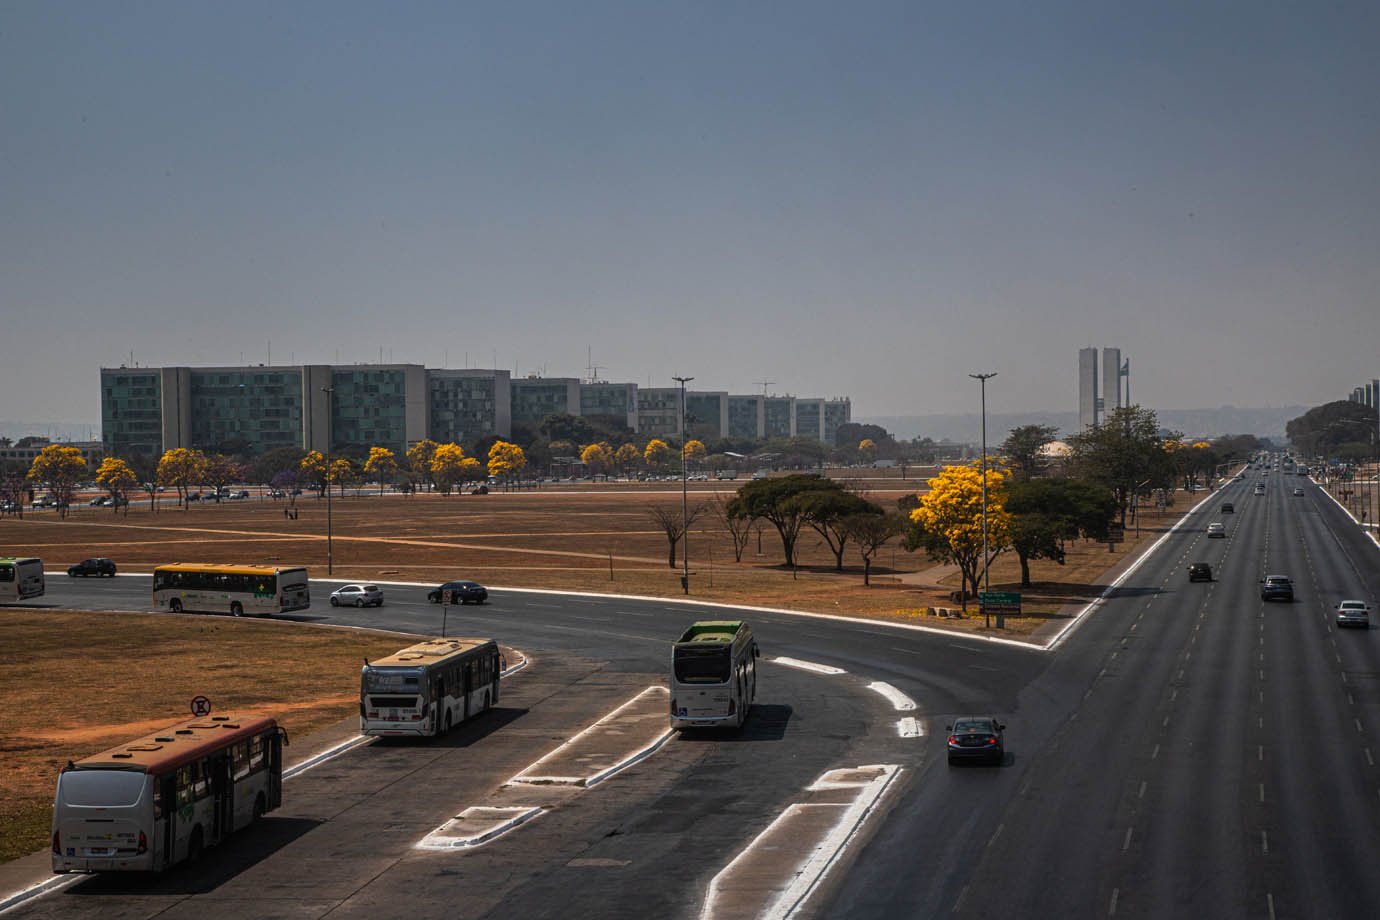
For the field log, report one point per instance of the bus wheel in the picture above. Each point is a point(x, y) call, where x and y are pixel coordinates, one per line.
point(175, 605)
point(486, 700)
point(259, 807)
point(237, 609)
point(194, 845)
point(447, 728)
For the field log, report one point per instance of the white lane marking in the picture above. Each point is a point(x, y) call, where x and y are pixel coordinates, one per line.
point(1141, 795)
point(899, 701)
point(55, 883)
point(910, 727)
point(1111, 909)
point(807, 666)
point(816, 866)
point(1126, 842)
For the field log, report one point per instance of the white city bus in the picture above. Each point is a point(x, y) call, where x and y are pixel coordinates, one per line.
point(20, 579)
point(713, 674)
point(154, 802)
point(239, 590)
point(428, 687)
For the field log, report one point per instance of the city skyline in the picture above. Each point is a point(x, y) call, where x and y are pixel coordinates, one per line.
point(874, 201)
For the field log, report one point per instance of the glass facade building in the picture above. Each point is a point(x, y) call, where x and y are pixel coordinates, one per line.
point(132, 411)
point(836, 412)
point(658, 411)
point(466, 405)
point(745, 417)
point(234, 409)
point(375, 406)
point(778, 417)
point(616, 402)
point(534, 398)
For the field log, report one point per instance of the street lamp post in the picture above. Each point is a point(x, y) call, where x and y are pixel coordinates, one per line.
point(684, 493)
point(330, 400)
point(986, 581)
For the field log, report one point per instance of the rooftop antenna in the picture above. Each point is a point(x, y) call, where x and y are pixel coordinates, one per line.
point(763, 384)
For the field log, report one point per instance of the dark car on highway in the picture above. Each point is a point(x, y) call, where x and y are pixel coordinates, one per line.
point(1200, 571)
point(977, 738)
point(459, 592)
point(1276, 588)
point(98, 566)
point(1228, 508)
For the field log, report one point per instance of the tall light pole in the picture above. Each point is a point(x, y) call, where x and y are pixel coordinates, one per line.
point(684, 494)
point(986, 581)
point(330, 407)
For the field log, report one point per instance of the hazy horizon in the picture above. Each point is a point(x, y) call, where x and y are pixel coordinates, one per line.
point(869, 201)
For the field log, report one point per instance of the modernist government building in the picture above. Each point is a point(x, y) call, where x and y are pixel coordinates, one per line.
point(148, 410)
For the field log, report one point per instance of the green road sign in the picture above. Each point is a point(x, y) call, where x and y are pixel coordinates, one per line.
point(999, 601)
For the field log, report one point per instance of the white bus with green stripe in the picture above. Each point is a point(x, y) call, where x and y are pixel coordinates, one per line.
point(713, 675)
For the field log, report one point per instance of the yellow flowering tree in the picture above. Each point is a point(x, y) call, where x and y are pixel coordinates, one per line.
point(180, 468)
point(506, 460)
point(419, 459)
point(693, 451)
point(867, 450)
point(657, 454)
point(948, 521)
point(59, 468)
point(382, 465)
point(115, 476)
point(597, 458)
point(313, 470)
point(447, 466)
point(627, 456)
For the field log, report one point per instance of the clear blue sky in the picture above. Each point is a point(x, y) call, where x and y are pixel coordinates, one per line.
point(870, 199)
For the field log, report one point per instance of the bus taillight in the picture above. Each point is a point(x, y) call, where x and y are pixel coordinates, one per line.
point(673, 705)
point(143, 843)
point(57, 844)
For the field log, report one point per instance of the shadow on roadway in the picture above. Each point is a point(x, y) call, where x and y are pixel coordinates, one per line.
point(765, 722)
point(217, 865)
point(463, 735)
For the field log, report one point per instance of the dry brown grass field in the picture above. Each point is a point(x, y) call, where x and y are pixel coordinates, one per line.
point(75, 683)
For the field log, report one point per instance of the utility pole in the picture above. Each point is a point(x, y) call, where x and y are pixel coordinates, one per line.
point(330, 404)
point(684, 495)
point(986, 581)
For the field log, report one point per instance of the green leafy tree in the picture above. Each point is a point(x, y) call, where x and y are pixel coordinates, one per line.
point(1121, 453)
point(827, 510)
point(1023, 450)
point(1047, 512)
point(776, 502)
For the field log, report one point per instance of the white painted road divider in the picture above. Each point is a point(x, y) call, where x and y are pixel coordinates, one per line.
point(478, 825)
point(777, 873)
point(899, 701)
point(807, 666)
point(600, 750)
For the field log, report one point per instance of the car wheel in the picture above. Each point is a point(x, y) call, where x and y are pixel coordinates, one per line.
point(175, 605)
point(359, 602)
point(335, 601)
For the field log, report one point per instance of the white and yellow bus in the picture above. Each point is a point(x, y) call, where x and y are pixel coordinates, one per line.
point(162, 799)
point(713, 675)
point(239, 590)
point(427, 688)
point(20, 579)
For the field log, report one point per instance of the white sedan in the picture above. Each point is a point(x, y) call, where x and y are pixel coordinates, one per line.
point(357, 596)
point(1353, 613)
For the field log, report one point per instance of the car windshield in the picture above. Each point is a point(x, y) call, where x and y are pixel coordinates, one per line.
point(973, 725)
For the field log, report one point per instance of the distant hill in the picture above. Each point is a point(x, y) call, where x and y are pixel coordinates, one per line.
point(1203, 423)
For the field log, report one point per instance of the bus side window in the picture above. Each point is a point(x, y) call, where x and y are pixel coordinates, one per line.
point(199, 785)
point(240, 755)
point(184, 786)
point(256, 754)
point(158, 798)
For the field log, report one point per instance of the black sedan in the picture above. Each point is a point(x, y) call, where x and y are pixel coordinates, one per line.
point(99, 566)
point(977, 738)
point(1276, 588)
point(1200, 571)
point(459, 592)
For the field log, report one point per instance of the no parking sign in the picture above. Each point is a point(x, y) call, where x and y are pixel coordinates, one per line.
point(201, 706)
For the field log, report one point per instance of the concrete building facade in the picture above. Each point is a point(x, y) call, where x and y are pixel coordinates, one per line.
point(1087, 388)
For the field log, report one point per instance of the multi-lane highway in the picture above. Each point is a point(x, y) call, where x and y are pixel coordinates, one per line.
point(1187, 750)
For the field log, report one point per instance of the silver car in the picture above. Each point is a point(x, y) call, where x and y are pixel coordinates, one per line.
point(1353, 613)
point(357, 596)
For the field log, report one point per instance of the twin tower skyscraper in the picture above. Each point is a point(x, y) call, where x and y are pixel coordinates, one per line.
point(1100, 395)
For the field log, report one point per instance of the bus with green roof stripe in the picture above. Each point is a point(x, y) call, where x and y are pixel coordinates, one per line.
point(713, 675)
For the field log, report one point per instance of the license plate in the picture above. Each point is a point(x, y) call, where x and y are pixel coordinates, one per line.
point(100, 851)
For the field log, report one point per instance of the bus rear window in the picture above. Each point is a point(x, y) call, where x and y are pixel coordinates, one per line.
point(702, 665)
point(6, 572)
point(101, 787)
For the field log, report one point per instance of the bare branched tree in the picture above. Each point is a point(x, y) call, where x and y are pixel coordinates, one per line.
point(739, 528)
point(668, 518)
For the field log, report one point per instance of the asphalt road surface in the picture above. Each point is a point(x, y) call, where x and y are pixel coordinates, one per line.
point(1188, 750)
